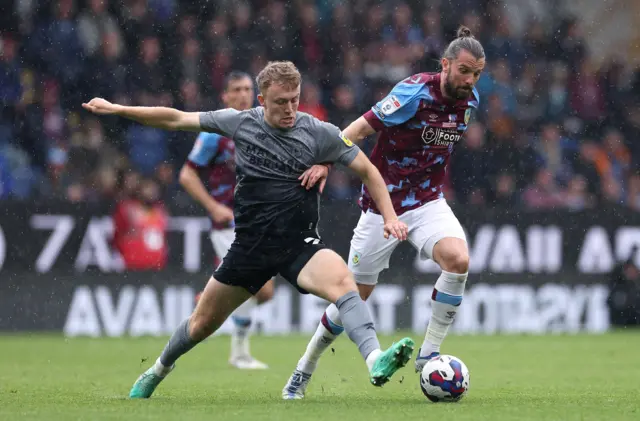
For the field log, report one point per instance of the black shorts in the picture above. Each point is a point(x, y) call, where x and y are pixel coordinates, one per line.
point(252, 260)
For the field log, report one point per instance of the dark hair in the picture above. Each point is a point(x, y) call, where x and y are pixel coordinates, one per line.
point(234, 76)
point(464, 41)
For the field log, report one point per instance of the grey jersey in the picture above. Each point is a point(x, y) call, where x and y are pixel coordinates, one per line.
point(269, 161)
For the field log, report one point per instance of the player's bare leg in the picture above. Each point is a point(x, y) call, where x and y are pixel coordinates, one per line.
point(327, 276)
point(453, 257)
point(240, 356)
point(216, 303)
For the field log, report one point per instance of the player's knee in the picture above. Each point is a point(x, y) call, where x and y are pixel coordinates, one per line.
point(457, 262)
point(342, 284)
point(452, 257)
point(343, 278)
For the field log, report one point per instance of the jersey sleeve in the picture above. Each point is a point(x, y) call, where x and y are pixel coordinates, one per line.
point(399, 106)
point(223, 122)
point(204, 149)
point(333, 147)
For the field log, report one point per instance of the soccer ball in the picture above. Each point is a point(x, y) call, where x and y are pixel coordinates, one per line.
point(444, 379)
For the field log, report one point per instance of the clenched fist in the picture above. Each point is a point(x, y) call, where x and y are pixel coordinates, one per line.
point(101, 106)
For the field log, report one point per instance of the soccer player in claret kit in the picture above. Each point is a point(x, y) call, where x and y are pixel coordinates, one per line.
point(214, 154)
point(420, 122)
point(275, 218)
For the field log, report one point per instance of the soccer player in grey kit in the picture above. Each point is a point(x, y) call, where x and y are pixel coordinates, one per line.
point(276, 218)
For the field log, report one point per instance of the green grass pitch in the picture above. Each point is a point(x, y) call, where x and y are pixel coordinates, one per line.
point(554, 377)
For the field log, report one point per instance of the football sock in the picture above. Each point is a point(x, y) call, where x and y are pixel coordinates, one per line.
point(358, 323)
point(179, 344)
point(445, 301)
point(329, 328)
point(242, 319)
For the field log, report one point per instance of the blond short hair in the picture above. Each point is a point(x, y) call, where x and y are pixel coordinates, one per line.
point(278, 72)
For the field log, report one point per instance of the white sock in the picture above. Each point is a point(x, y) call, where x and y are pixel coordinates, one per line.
point(245, 310)
point(372, 357)
point(160, 369)
point(329, 328)
point(242, 318)
point(445, 301)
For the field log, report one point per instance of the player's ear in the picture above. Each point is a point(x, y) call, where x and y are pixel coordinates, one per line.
point(261, 99)
point(445, 64)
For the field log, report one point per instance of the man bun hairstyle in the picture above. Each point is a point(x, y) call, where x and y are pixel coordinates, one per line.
point(463, 32)
point(464, 41)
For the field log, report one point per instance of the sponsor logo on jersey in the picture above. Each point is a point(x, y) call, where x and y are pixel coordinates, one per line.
point(389, 105)
point(440, 137)
point(356, 258)
point(346, 140)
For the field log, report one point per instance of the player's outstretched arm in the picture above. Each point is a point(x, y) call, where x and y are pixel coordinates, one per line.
point(160, 117)
point(358, 130)
point(378, 189)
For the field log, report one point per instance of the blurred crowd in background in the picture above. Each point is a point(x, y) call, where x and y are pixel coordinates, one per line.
point(555, 130)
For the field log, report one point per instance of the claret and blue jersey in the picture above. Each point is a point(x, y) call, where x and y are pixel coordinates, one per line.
point(419, 130)
point(215, 153)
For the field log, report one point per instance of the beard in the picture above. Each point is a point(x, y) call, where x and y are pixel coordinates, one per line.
point(455, 92)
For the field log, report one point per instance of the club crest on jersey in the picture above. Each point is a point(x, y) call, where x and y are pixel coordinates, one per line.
point(440, 137)
point(346, 140)
point(389, 106)
point(467, 116)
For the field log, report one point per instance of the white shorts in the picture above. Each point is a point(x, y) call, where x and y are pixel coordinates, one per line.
point(370, 251)
point(222, 240)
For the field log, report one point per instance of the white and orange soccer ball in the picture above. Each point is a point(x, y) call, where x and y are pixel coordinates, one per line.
point(444, 379)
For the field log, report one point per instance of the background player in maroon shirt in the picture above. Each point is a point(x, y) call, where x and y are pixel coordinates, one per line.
point(420, 122)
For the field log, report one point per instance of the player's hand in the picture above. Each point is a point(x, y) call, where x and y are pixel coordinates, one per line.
point(314, 174)
point(397, 229)
point(222, 214)
point(100, 106)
